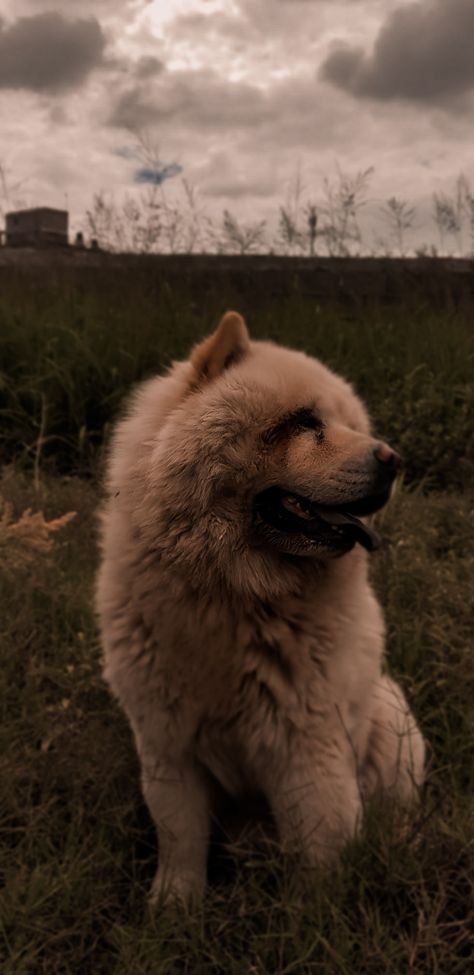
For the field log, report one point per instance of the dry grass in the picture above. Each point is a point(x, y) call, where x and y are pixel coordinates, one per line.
point(78, 847)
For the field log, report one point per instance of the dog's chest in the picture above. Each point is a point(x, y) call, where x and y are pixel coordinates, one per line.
point(292, 680)
point(273, 693)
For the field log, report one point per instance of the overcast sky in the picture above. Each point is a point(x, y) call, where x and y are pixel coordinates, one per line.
point(240, 93)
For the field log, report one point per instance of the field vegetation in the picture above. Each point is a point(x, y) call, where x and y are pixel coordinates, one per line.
point(78, 848)
point(339, 217)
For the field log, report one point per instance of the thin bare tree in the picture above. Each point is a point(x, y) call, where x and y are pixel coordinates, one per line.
point(446, 219)
point(344, 197)
point(243, 238)
point(290, 234)
point(465, 205)
point(312, 221)
point(400, 217)
point(454, 215)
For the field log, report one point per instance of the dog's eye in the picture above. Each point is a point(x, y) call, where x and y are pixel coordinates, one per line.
point(308, 421)
point(303, 419)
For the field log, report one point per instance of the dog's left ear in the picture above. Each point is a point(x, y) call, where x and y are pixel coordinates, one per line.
point(226, 346)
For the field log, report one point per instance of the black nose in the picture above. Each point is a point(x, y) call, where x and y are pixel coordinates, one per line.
point(390, 462)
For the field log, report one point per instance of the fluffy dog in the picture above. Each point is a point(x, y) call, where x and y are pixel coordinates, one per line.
point(241, 634)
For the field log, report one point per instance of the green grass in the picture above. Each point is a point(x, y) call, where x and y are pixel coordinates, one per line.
point(78, 846)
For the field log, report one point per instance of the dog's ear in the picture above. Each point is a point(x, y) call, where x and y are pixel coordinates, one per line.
point(226, 346)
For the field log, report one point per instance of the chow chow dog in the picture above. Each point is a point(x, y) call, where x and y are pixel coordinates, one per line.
point(241, 635)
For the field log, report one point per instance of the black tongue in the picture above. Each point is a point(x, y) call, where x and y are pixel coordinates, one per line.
point(367, 537)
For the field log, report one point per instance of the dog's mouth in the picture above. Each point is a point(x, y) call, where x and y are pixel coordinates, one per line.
point(336, 526)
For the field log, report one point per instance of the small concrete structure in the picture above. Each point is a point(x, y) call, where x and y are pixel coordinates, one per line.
point(39, 227)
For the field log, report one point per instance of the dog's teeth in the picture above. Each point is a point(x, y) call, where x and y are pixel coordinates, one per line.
point(294, 505)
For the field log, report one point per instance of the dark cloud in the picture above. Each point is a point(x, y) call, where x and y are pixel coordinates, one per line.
point(148, 67)
point(424, 52)
point(132, 111)
point(190, 110)
point(92, 6)
point(191, 98)
point(47, 53)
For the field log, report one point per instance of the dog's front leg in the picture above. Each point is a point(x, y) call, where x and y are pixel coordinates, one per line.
point(394, 763)
point(179, 804)
point(317, 809)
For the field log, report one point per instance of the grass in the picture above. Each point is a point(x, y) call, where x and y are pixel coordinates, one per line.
point(78, 848)
point(71, 346)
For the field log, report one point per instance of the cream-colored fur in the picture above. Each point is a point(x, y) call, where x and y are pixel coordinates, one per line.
point(233, 660)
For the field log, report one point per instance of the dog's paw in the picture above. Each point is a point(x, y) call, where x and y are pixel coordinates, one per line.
point(184, 888)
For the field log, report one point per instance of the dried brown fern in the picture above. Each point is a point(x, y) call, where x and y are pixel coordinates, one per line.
point(23, 540)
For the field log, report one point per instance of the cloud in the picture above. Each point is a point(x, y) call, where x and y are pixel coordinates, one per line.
point(92, 6)
point(423, 53)
point(293, 3)
point(184, 109)
point(239, 187)
point(247, 27)
point(151, 170)
point(47, 53)
point(132, 111)
point(198, 98)
point(148, 66)
point(156, 176)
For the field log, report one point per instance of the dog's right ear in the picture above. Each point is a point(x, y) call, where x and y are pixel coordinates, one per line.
point(225, 347)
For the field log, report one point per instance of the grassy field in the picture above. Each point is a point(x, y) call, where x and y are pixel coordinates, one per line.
point(78, 848)
point(71, 346)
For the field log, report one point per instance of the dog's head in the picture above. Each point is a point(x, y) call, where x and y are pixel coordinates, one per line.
point(270, 452)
